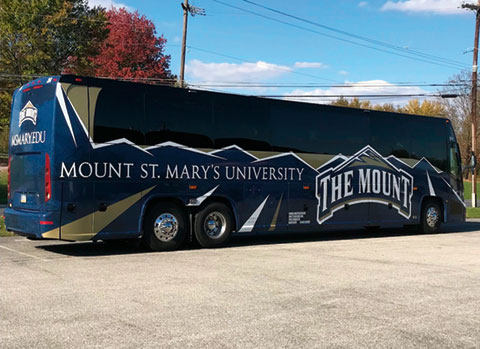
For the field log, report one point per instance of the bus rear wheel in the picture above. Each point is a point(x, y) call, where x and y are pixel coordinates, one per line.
point(213, 225)
point(165, 227)
point(431, 217)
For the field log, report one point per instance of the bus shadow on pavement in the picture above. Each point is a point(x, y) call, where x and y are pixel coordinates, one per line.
point(94, 249)
point(90, 249)
point(339, 235)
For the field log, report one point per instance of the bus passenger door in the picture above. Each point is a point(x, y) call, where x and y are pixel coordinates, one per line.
point(454, 205)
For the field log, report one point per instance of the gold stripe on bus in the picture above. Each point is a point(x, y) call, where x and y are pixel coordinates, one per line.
point(52, 234)
point(75, 230)
point(273, 225)
point(102, 219)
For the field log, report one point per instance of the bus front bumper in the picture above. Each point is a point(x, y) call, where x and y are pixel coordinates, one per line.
point(39, 225)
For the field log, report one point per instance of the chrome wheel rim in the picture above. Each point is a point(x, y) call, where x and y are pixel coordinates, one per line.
point(432, 217)
point(165, 227)
point(215, 225)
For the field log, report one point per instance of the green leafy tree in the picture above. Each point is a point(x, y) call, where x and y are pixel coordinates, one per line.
point(45, 37)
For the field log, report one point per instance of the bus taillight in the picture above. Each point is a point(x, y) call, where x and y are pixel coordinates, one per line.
point(48, 183)
point(8, 184)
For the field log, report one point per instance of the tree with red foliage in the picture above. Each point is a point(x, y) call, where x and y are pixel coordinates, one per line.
point(132, 50)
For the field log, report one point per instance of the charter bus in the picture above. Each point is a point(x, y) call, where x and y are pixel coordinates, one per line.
point(98, 159)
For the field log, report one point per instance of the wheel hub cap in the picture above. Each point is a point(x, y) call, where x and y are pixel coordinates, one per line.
point(215, 225)
point(432, 217)
point(165, 227)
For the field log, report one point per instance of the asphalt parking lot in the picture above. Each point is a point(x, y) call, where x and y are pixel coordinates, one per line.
point(367, 289)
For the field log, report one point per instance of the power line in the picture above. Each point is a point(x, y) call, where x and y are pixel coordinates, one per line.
point(250, 85)
point(363, 38)
point(361, 95)
point(253, 62)
point(168, 81)
point(451, 66)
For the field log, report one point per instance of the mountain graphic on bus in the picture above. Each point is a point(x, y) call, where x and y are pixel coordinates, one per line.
point(365, 177)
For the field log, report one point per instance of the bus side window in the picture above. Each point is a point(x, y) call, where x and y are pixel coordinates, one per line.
point(343, 132)
point(387, 140)
point(454, 156)
point(78, 97)
point(410, 138)
point(244, 122)
point(119, 114)
point(291, 129)
point(427, 139)
point(180, 116)
point(93, 93)
point(306, 129)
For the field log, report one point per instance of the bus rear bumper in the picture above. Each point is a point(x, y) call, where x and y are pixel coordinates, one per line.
point(39, 225)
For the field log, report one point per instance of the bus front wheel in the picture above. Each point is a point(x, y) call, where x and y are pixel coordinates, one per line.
point(213, 225)
point(165, 227)
point(431, 217)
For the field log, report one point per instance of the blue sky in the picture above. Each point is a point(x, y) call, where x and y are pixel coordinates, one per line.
point(274, 53)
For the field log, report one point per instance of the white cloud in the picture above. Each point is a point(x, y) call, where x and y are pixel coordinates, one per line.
point(370, 87)
point(233, 72)
point(444, 7)
point(108, 4)
point(362, 4)
point(310, 65)
point(343, 72)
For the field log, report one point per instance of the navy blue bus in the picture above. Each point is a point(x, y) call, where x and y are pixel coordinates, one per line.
point(98, 159)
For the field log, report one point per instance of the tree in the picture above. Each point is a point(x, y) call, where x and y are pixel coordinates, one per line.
point(132, 49)
point(356, 103)
point(385, 107)
point(40, 37)
point(352, 103)
point(428, 108)
point(341, 102)
point(459, 111)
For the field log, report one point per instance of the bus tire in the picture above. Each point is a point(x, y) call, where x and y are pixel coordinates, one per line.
point(213, 225)
point(431, 217)
point(165, 227)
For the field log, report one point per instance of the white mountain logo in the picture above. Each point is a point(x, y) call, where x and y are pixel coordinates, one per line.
point(29, 112)
point(363, 178)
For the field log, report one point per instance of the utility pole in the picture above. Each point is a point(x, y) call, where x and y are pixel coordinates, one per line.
point(184, 42)
point(193, 11)
point(475, 8)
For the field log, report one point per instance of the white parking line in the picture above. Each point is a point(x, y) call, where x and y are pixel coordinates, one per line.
point(25, 254)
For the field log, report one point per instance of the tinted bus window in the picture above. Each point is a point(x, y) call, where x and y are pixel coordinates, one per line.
point(410, 137)
point(428, 138)
point(78, 96)
point(179, 116)
point(119, 114)
point(310, 130)
point(241, 121)
point(389, 134)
